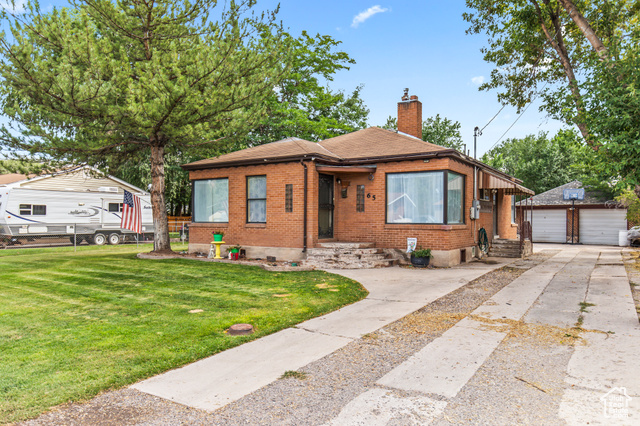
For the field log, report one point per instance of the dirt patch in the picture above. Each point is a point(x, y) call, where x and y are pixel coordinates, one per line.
point(542, 334)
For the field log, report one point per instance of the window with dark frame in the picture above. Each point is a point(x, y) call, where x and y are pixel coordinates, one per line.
point(211, 200)
point(256, 199)
point(288, 198)
point(360, 198)
point(115, 207)
point(32, 210)
point(427, 197)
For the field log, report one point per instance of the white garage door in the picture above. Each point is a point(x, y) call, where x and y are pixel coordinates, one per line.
point(601, 226)
point(549, 226)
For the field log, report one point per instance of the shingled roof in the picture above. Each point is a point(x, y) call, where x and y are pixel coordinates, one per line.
point(554, 197)
point(375, 142)
point(372, 143)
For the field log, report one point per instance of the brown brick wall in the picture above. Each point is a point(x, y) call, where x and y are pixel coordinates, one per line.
point(410, 118)
point(282, 229)
point(286, 229)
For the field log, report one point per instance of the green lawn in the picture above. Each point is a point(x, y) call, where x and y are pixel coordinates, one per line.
point(75, 323)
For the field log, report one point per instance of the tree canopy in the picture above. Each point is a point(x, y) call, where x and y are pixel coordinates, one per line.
point(114, 78)
point(303, 105)
point(581, 59)
point(541, 162)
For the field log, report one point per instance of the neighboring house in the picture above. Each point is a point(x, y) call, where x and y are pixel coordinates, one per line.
point(595, 220)
point(80, 201)
point(372, 185)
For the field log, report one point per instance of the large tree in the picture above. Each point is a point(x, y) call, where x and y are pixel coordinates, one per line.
point(544, 48)
point(581, 58)
point(113, 79)
point(303, 105)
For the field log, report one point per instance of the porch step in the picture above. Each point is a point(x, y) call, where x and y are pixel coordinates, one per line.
point(339, 255)
point(345, 246)
point(505, 248)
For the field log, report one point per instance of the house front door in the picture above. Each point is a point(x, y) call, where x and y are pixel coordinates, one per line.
point(325, 206)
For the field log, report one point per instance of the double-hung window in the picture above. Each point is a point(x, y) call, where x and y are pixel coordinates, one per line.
point(434, 197)
point(211, 200)
point(256, 199)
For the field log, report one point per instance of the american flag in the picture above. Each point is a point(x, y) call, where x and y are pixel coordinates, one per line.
point(131, 213)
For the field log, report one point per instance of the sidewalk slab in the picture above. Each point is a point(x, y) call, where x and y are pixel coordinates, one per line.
point(513, 301)
point(218, 380)
point(446, 364)
point(559, 303)
point(608, 361)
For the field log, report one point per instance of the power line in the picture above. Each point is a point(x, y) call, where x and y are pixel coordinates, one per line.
point(533, 67)
point(492, 118)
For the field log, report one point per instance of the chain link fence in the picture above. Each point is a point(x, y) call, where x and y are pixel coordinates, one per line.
point(59, 235)
point(65, 234)
point(179, 230)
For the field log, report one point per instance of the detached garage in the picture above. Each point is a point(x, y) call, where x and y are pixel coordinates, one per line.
point(596, 220)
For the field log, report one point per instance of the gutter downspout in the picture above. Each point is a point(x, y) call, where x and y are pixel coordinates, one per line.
point(304, 219)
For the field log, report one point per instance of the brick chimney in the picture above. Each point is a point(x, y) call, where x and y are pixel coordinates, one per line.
point(410, 115)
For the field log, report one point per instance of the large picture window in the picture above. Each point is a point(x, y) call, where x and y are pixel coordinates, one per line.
point(425, 197)
point(256, 199)
point(211, 200)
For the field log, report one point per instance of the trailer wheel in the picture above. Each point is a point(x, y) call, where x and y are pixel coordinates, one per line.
point(78, 239)
point(99, 239)
point(114, 239)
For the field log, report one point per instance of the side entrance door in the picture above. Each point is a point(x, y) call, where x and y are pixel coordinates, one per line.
point(325, 206)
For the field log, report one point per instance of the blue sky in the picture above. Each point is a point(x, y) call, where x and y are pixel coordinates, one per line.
point(419, 44)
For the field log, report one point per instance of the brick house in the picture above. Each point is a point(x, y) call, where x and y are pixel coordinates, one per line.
point(371, 186)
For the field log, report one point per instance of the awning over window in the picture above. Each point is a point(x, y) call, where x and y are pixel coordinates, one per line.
point(488, 180)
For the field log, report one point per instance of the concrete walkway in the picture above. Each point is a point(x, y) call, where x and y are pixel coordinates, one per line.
point(602, 375)
point(393, 293)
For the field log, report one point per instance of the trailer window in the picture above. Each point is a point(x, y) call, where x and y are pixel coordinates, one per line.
point(32, 210)
point(115, 207)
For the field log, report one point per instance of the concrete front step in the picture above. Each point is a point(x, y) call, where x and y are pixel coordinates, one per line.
point(346, 246)
point(505, 248)
point(356, 264)
point(334, 251)
point(348, 255)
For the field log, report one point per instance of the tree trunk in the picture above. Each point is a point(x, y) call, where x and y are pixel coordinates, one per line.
point(161, 242)
point(637, 190)
point(557, 42)
point(585, 28)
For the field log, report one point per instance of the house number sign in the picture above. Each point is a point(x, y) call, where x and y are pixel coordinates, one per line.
point(373, 197)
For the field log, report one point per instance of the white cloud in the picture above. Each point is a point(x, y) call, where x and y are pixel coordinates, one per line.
point(363, 16)
point(17, 7)
point(478, 80)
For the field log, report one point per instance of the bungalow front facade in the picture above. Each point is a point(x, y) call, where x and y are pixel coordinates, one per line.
point(369, 186)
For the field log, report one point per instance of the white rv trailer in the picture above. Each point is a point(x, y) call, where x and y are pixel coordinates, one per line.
point(40, 208)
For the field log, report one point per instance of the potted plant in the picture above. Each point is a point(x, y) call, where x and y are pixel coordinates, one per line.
point(217, 235)
point(234, 251)
point(420, 257)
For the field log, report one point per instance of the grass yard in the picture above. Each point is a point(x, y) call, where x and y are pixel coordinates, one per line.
point(73, 324)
